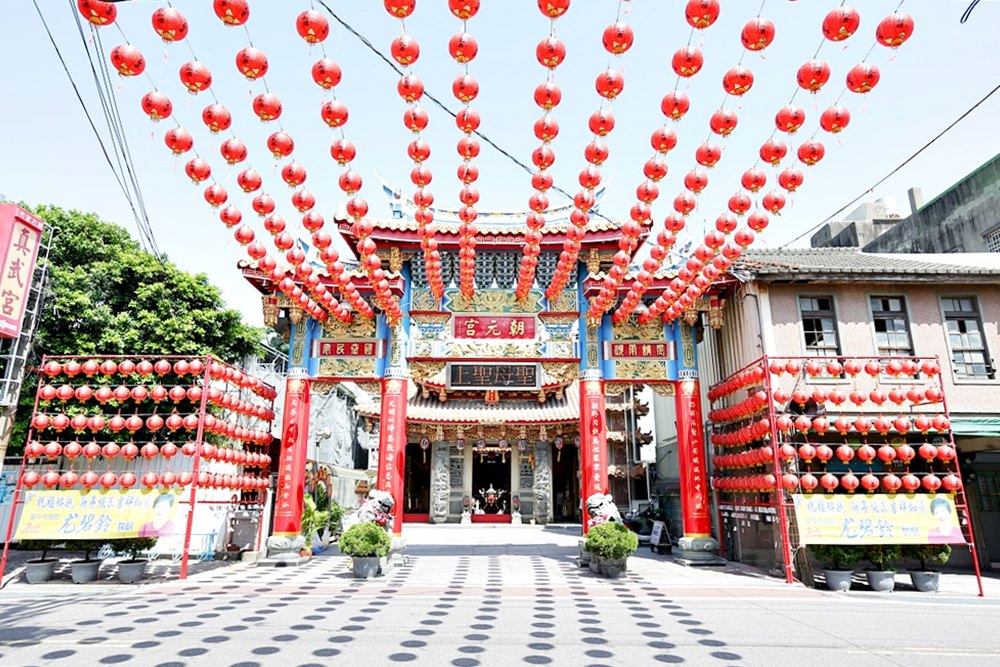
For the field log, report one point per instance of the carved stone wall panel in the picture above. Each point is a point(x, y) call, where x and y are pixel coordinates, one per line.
point(493, 301)
point(358, 328)
point(440, 483)
point(640, 370)
point(560, 348)
point(422, 299)
point(631, 330)
point(358, 368)
point(543, 483)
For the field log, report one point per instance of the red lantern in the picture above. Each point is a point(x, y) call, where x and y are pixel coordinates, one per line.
point(550, 52)
point(850, 482)
point(249, 180)
point(700, 14)
point(809, 482)
point(773, 201)
point(910, 482)
point(251, 62)
point(334, 113)
point(737, 81)
point(840, 24)
point(753, 179)
point(178, 140)
point(870, 482)
point(170, 24)
point(326, 73)
point(294, 174)
point(773, 151)
point(931, 482)
point(862, 78)
point(739, 203)
point(951, 482)
point(465, 88)
point(835, 119)
point(128, 60)
point(400, 8)
point(232, 12)
point(758, 221)
point(216, 195)
point(267, 107)
point(312, 26)
point(405, 50)
point(195, 76)
point(723, 122)
point(891, 483)
point(845, 453)
point(757, 35)
point(674, 105)
point(687, 61)
point(696, 180)
point(230, 216)
point(790, 179)
point(217, 118)
point(894, 29)
point(829, 481)
point(97, 12)
point(609, 83)
point(811, 152)
point(156, 105)
point(813, 75)
point(790, 118)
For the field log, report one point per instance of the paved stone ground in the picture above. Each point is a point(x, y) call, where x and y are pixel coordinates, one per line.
point(473, 596)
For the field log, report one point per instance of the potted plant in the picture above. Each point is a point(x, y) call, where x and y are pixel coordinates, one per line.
point(365, 543)
point(336, 516)
point(926, 579)
point(85, 571)
point(313, 520)
point(842, 558)
point(132, 568)
point(610, 544)
point(39, 570)
point(883, 557)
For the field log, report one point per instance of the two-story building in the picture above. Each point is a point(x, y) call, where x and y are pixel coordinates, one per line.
point(841, 302)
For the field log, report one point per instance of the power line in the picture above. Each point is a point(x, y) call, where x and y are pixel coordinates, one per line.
point(894, 171)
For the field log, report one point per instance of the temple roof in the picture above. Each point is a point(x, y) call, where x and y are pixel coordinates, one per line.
point(848, 263)
point(432, 411)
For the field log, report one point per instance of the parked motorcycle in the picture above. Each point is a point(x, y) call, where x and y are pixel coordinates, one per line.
point(640, 523)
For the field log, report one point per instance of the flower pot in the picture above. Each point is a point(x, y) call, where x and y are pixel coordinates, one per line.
point(131, 571)
point(613, 567)
point(38, 571)
point(584, 559)
point(84, 571)
point(365, 567)
point(925, 581)
point(882, 581)
point(595, 563)
point(838, 580)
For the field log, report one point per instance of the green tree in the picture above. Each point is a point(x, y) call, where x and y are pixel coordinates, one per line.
point(106, 295)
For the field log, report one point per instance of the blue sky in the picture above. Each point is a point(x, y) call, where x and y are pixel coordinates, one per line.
point(53, 157)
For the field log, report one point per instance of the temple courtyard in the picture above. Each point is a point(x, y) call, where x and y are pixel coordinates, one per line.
point(494, 595)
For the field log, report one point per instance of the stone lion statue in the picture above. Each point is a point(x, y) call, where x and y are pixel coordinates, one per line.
point(601, 508)
point(377, 507)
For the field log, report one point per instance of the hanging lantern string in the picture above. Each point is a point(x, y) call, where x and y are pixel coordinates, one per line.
point(837, 27)
point(550, 52)
point(686, 63)
point(617, 39)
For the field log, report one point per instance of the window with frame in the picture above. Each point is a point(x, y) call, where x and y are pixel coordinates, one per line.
point(969, 356)
point(819, 326)
point(993, 241)
point(892, 326)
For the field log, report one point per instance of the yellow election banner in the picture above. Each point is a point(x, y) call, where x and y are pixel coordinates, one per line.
point(877, 519)
point(93, 515)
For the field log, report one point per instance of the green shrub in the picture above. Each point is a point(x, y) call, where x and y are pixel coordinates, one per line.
point(313, 520)
point(365, 539)
point(611, 540)
point(928, 554)
point(839, 556)
point(37, 545)
point(336, 515)
point(883, 556)
point(86, 546)
point(131, 546)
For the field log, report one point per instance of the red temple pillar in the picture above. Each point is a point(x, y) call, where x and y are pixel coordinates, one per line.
point(292, 464)
point(697, 543)
point(392, 446)
point(593, 443)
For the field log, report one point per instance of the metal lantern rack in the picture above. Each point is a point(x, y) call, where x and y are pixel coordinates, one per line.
point(857, 425)
point(190, 424)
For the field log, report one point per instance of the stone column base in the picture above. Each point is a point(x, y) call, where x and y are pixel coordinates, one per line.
point(698, 551)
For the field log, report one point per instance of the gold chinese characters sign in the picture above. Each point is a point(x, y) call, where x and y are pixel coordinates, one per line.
point(20, 236)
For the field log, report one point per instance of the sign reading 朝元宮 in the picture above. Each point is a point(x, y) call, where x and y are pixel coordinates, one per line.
point(346, 348)
point(92, 515)
point(20, 236)
point(493, 376)
point(877, 519)
point(494, 326)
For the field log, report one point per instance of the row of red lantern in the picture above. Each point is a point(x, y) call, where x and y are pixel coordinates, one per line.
point(751, 457)
point(745, 378)
point(863, 425)
point(869, 482)
point(788, 119)
point(815, 368)
point(127, 480)
point(617, 39)
point(749, 406)
point(156, 393)
point(97, 423)
point(550, 53)
point(758, 430)
point(237, 456)
point(110, 450)
point(867, 453)
point(896, 395)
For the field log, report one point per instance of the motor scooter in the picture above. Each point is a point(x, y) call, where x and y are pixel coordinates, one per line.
point(640, 523)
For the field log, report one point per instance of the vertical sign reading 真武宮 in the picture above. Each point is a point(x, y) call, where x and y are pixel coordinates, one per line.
point(20, 236)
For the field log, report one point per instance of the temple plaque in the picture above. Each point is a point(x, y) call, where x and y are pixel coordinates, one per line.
point(507, 376)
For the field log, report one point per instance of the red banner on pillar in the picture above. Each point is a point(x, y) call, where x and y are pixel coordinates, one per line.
point(593, 442)
point(697, 521)
point(392, 446)
point(292, 463)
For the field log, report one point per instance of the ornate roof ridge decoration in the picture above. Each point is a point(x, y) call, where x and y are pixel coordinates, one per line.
point(486, 228)
point(555, 410)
